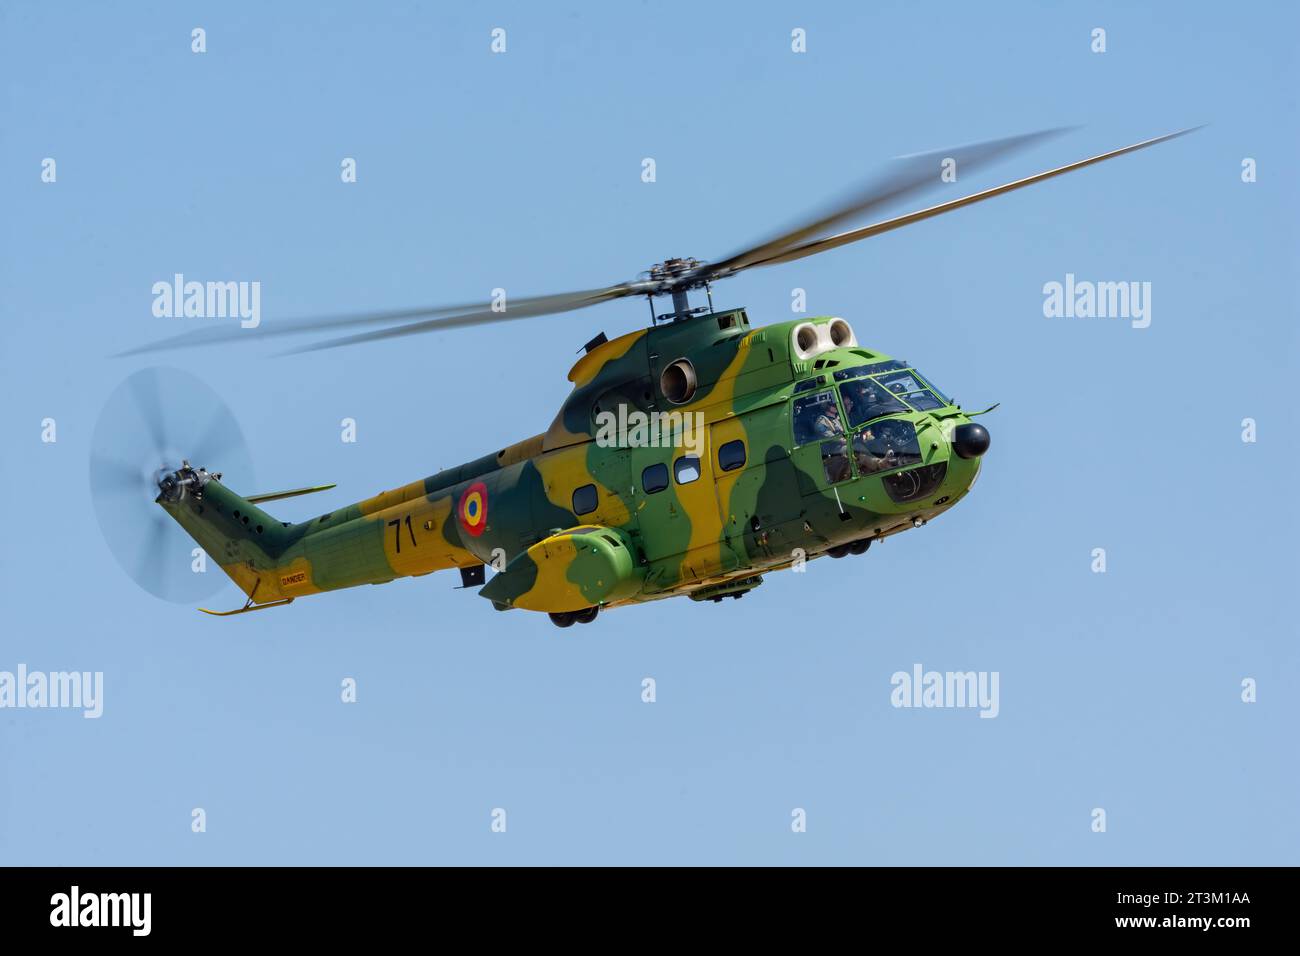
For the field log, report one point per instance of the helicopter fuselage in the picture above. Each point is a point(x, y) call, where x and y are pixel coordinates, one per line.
point(690, 458)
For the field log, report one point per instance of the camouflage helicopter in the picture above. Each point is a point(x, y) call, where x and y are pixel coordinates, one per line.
point(692, 457)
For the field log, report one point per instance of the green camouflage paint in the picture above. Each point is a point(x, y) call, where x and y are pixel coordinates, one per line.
point(717, 534)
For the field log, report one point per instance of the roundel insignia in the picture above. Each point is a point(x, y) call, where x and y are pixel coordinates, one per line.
point(472, 510)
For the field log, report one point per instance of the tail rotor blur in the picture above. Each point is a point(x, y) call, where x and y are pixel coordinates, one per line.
point(153, 421)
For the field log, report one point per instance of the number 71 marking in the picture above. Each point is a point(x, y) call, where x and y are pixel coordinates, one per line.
point(396, 525)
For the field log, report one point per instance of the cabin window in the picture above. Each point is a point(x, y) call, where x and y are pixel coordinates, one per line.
point(654, 478)
point(585, 500)
point(686, 469)
point(731, 455)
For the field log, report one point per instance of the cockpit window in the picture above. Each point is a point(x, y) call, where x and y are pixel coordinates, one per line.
point(900, 382)
point(815, 417)
point(835, 460)
point(865, 399)
point(847, 373)
point(886, 445)
point(889, 388)
point(810, 384)
point(909, 387)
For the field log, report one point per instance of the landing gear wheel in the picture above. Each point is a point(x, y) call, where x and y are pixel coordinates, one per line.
point(860, 547)
point(587, 615)
point(562, 618)
point(838, 551)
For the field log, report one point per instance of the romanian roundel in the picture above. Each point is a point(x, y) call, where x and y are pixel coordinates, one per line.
point(472, 510)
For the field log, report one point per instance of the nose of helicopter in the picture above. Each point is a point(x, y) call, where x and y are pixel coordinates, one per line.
point(970, 440)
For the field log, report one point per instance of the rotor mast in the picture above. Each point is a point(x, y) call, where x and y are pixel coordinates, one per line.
point(676, 277)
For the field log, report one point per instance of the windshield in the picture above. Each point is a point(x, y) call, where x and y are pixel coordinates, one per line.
point(875, 369)
point(911, 389)
point(888, 393)
point(865, 399)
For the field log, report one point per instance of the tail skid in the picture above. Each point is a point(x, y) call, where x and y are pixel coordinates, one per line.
point(247, 543)
point(250, 606)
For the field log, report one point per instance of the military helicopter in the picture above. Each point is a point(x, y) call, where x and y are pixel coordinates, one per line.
point(692, 457)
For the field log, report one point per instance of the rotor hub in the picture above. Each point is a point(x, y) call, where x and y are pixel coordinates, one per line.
point(672, 269)
point(676, 277)
point(186, 480)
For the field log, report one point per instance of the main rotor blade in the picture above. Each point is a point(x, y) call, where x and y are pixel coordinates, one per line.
point(275, 329)
point(537, 305)
point(910, 175)
point(907, 175)
point(833, 242)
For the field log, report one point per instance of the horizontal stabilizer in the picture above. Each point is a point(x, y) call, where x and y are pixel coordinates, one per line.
point(276, 495)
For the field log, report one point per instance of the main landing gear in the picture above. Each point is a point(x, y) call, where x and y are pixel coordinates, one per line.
point(569, 618)
point(844, 550)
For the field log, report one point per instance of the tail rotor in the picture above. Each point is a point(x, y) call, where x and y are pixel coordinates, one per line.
point(157, 420)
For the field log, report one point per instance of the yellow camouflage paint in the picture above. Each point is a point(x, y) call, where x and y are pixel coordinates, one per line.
point(587, 367)
point(728, 429)
point(553, 591)
point(582, 373)
point(413, 538)
point(387, 499)
point(707, 553)
point(566, 469)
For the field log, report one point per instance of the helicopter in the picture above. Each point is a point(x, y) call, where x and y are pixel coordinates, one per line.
point(691, 458)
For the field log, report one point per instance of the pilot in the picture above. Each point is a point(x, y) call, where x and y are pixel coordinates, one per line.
point(857, 399)
point(828, 423)
point(866, 449)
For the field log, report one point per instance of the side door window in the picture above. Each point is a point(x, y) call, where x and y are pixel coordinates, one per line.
point(819, 423)
point(816, 417)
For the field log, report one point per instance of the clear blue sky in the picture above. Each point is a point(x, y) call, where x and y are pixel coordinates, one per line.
point(522, 170)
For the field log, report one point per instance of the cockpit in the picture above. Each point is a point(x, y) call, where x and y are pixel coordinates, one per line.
point(851, 417)
point(866, 392)
point(887, 388)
